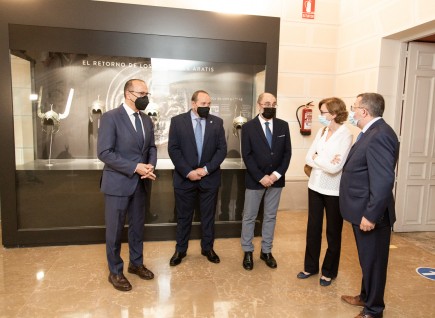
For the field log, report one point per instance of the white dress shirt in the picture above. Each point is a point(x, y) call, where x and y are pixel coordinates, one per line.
point(262, 121)
point(130, 113)
point(325, 176)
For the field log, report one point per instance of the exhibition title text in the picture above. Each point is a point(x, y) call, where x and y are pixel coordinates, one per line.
point(99, 63)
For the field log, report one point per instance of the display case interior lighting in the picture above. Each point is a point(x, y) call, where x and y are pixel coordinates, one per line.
point(33, 97)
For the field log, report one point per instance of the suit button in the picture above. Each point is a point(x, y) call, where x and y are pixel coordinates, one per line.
point(271, 153)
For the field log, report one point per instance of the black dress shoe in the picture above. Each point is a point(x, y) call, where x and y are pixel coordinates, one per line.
point(119, 282)
point(176, 258)
point(302, 275)
point(324, 282)
point(211, 256)
point(140, 271)
point(248, 262)
point(269, 259)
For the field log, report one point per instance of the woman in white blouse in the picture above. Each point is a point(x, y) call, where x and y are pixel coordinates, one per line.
point(327, 156)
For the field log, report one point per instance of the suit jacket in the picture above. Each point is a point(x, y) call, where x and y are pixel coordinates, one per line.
point(368, 176)
point(119, 148)
point(184, 154)
point(259, 159)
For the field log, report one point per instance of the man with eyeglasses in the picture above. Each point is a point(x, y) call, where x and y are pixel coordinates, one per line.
point(197, 147)
point(266, 152)
point(126, 146)
point(366, 199)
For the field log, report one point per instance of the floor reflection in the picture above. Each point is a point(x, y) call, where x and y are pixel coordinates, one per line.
point(71, 281)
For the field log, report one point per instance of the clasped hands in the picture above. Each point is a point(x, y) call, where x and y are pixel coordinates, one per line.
point(335, 161)
point(146, 171)
point(268, 180)
point(197, 174)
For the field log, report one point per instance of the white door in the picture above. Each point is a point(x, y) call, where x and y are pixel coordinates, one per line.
point(415, 191)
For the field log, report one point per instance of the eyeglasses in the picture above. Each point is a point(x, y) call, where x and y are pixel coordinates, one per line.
point(322, 112)
point(269, 105)
point(141, 94)
point(352, 107)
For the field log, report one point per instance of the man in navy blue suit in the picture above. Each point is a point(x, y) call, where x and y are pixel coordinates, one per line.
point(366, 199)
point(126, 146)
point(266, 152)
point(197, 147)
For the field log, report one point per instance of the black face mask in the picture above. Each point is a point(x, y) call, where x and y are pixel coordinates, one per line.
point(141, 102)
point(269, 112)
point(203, 111)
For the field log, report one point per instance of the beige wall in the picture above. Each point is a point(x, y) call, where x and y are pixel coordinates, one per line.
point(342, 52)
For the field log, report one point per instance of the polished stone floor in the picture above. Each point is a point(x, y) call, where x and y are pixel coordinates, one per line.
point(71, 281)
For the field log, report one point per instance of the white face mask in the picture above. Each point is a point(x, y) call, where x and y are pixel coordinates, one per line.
point(323, 120)
point(352, 119)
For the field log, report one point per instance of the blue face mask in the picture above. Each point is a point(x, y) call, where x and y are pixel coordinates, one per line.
point(352, 119)
point(324, 121)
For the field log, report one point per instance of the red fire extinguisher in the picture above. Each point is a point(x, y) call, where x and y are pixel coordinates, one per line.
point(307, 117)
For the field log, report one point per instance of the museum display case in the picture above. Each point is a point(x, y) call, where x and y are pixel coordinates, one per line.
point(58, 101)
point(60, 89)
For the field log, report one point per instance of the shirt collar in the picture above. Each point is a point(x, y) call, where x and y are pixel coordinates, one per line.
point(129, 111)
point(371, 122)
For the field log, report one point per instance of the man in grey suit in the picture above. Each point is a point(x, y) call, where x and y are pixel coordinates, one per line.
point(266, 151)
point(197, 147)
point(366, 199)
point(126, 146)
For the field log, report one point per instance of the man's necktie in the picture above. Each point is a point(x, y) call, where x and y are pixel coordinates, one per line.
point(198, 138)
point(139, 129)
point(268, 134)
point(359, 136)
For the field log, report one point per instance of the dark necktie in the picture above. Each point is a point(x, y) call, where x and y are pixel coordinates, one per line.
point(268, 134)
point(139, 130)
point(359, 136)
point(198, 138)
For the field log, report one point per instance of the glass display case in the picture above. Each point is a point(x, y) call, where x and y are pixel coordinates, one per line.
point(60, 74)
point(58, 101)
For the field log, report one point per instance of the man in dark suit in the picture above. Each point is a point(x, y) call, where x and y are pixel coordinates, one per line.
point(266, 152)
point(197, 147)
point(126, 146)
point(366, 199)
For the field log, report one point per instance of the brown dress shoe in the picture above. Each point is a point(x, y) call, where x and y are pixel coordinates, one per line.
point(140, 271)
point(353, 300)
point(119, 282)
point(363, 315)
